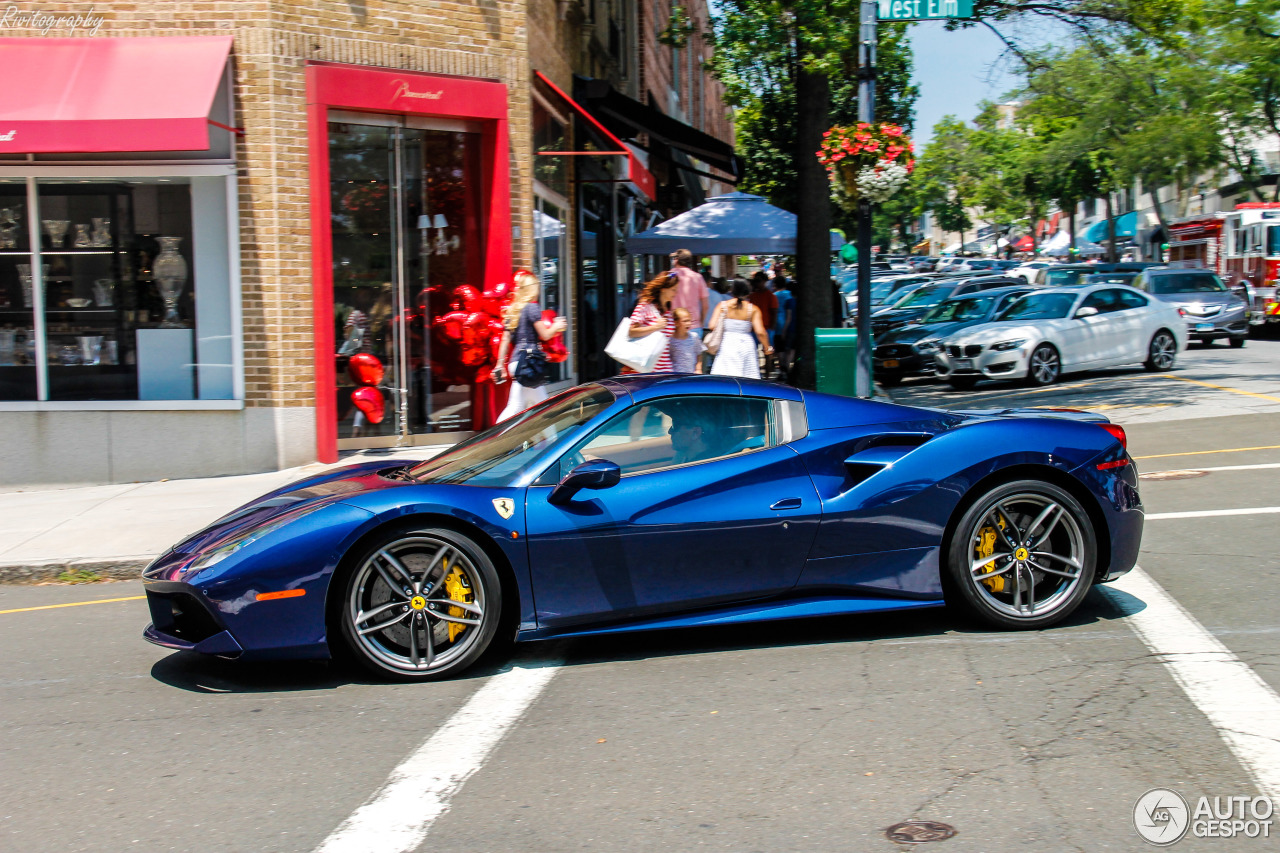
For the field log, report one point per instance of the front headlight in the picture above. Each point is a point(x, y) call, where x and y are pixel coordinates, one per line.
point(1005, 346)
point(927, 345)
point(244, 540)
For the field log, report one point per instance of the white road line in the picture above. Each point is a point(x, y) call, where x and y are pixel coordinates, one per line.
point(1210, 513)
point(1239, 704)
point(396, 819)
point(1222, 468)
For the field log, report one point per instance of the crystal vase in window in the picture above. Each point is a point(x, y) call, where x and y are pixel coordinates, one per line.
point(24, 276)
point(82, 240)
point(101, 238)
point(56, 229)
point(170, 272)
point(9, 218)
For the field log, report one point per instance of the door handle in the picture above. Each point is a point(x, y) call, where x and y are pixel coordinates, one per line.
point(787, 503)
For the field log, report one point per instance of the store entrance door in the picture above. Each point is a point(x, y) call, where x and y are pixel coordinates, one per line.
point(407, 262)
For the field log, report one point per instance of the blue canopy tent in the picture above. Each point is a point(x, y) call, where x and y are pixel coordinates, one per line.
point(1126, 228)
point(732, 224)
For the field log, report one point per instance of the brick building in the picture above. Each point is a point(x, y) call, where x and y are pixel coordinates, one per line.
point(320, 168)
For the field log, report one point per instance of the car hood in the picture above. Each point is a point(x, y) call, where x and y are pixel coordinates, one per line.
point(297, 498)
point(920, 331)
point(899, 315)
point(989, 333)
point(1187, 300)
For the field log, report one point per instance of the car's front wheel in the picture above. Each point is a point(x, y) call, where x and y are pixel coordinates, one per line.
point(1022, 556)
point(962, 382)
point(1238, 342)
point(1044, 367)
point(420, 603)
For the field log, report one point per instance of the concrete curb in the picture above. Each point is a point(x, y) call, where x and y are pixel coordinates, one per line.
point(121, 569)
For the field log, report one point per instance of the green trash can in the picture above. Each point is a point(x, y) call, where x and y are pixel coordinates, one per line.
point(836, 361)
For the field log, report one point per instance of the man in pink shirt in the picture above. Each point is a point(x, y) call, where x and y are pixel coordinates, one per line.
point(691, 288)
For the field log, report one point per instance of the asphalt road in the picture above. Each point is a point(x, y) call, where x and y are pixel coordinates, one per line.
point(807, 735)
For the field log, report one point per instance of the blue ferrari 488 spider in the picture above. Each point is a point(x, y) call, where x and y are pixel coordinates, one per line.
point(658, 501)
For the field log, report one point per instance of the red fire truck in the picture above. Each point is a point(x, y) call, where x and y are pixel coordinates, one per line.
point(1242, 246)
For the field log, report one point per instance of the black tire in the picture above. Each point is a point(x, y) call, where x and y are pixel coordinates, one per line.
point(1023, 500)
point(1239, 342)
point(1044, 367)
point(962, 383)
point(890, 380)
point(425, 649)
point(1162, 352)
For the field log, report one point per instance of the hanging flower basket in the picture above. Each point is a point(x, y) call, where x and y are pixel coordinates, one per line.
point(871, 161)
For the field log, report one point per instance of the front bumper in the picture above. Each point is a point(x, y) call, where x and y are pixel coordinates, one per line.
point(1215, 329)
point(184, 620)
point(979, 360)
point(903, 360)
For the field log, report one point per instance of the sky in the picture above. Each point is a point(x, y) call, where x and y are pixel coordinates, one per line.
point(955, 71)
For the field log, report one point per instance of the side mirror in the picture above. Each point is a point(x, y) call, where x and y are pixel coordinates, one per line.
point(594, 474)
point(1086, 311)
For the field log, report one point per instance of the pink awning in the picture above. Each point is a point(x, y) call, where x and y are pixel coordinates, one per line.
point(109, 94)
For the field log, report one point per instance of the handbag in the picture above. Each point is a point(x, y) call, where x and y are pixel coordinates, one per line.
point(531, 368)
point(716, 335)
point(639, 354)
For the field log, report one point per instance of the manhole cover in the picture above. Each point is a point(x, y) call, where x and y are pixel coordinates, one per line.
point(1173, 475)
point(919, 831)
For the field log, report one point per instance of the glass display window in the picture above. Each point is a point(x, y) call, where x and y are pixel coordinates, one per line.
point(103, 294)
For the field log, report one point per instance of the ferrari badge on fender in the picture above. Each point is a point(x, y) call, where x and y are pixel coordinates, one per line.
point(505, 507)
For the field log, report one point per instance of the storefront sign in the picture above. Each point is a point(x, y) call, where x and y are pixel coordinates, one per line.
point(18, 18)
point(921, 10)
point(403, 90)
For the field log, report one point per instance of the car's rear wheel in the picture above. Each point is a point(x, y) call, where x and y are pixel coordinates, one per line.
point(1044, 367)
point(1161, 352)
point(421, 603)
point(1238, 342)
point(1023, 555)
point(889, 380)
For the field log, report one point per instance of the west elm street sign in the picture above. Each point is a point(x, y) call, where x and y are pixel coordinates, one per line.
point(917, 10)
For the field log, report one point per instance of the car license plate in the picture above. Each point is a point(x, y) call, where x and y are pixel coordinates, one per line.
point(963, 364)
point(889, 362)
point(1204, 327)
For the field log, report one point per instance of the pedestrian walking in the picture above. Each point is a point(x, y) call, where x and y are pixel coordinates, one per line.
point(652, 315)
point(523, 331)
point(718, 293)
point(743, 326)
point(685, 347)
point(691, 288)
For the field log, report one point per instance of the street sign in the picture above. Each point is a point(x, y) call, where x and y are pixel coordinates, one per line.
point(923, 10)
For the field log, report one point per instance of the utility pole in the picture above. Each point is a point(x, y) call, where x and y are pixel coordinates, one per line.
point(866, 112)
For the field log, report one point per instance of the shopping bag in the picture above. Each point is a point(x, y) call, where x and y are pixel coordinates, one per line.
point(640, 354)
point(713, 338)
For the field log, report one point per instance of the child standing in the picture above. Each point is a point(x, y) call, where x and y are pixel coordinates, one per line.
point(684, 347)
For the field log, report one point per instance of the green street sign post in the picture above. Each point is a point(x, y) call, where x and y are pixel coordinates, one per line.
point(923, 10)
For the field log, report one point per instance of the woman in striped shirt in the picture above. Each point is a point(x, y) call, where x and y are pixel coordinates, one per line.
point(652, 315)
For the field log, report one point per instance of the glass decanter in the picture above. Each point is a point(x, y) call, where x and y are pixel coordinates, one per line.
point(170, 273)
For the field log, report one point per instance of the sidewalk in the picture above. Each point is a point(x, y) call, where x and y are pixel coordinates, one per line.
point(114, 531)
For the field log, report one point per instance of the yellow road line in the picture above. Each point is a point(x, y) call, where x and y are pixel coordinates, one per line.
point(1221, 387)
point(72, 604)
point(1205, 452)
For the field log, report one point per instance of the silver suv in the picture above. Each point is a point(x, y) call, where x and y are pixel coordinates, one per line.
point(1209, 309)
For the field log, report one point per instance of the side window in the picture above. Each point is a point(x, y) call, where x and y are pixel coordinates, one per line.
point(1105, 301)
point(676, 431)
point(1129, 299)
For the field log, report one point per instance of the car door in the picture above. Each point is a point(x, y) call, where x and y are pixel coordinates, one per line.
point(712, 507)
point(1091, 341)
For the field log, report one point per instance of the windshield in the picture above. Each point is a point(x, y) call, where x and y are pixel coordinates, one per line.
point(1190, 282)
point(1062, 278)
point(1111, 278)
point(498, 455)
point(925, 297)
point(959, 310)
point(1040, 306)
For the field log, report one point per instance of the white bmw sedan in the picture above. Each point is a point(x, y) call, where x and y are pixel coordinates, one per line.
point(1059, 330)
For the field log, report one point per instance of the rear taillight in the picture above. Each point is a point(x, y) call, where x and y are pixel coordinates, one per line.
point(1117, 432)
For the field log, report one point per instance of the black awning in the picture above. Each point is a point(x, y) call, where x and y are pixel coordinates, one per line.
point(628, 117)
point(694, 192)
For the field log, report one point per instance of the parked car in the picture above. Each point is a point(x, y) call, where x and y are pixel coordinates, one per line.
point(1066, 275)
point(1060, 330)
point(918, 303)
point(975, 264)
point(1210, 310)
point(909, 351)
point(1110, 278)
point(1029, 269)
point(1005, 265)
point(881, 288)
point(924, 264)
point(769, 502)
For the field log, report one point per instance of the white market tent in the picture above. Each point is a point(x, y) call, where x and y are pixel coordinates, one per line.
point(732, 224)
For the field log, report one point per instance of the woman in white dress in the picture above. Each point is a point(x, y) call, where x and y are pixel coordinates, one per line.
point(743, 326)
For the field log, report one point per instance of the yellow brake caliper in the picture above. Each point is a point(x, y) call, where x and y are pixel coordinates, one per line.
point(455, 586)
point(985, 548)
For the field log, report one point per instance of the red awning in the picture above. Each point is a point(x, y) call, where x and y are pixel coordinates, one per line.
point(636, 172)
point(1026, 244)
point(109, 94)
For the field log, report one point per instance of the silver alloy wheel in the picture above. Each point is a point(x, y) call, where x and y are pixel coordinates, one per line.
point(1164, 350)
point(399, 608)
point(1044, 365)
point(1037, 559)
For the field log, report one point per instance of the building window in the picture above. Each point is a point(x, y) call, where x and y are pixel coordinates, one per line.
point(549, 135)
point(549, 257)
point(115, 288)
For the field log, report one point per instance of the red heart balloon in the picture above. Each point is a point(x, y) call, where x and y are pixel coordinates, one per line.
point(371, 402)
point(365, 369)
